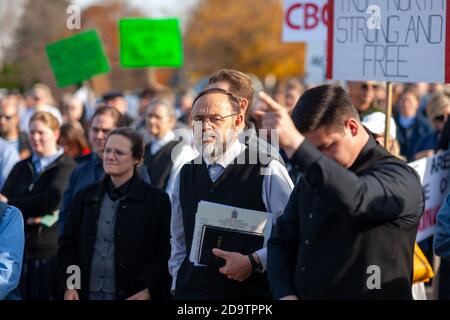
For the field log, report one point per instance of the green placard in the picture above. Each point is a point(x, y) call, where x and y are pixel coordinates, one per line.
point(77, 58)
point(150, 43)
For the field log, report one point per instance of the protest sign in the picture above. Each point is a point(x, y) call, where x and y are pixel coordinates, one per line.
point(305, 21)
point(77, 58)
point(395, 40)
point(150, 43)
point(434, 175)
point(315, 62)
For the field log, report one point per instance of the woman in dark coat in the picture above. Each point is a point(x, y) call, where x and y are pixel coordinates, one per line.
point(35, 186)
point(118, 231)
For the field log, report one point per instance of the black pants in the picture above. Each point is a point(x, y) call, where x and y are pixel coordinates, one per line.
point(38, 279)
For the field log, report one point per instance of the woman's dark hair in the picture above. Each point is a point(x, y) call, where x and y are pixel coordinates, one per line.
point(137, 143)
point(325, 106)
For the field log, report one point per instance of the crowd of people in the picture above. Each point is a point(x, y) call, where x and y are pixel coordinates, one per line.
point(112, 187)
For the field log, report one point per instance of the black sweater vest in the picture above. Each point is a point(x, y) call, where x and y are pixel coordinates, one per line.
point(160, 164)
point(240, 185)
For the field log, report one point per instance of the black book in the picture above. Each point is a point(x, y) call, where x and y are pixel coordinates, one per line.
point(228, 240)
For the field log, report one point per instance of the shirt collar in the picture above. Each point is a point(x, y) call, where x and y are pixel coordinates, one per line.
point(227, 158)
point(48, 160)
point(360, 161)
point(117, 193)
point(170, 136)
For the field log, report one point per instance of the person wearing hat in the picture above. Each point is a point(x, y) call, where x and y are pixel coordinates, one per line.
point(375, 123)
point(438, 109)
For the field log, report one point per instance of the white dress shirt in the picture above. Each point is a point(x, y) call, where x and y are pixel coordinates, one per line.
point(276, 190)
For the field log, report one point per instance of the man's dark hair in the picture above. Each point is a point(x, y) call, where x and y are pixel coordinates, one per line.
point(241, 84)
point(119, 120)
point(137, 143)
point(325, 106)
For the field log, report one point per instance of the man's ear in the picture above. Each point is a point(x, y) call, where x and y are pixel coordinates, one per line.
point(243, 103)
point(239, 119)
point(353, 126)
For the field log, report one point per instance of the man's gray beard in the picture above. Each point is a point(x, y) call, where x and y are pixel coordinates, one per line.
point(212, 151)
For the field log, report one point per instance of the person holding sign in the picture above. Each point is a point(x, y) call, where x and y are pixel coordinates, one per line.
point(223, 173)
point(348, 230)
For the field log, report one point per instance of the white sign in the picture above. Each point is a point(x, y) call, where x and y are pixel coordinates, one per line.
point(434, 174)
point(315, 62)
point(389, 40)
point(305, 21)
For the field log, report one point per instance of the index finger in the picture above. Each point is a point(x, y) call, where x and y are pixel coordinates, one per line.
point(272, 104)
point(220, 253)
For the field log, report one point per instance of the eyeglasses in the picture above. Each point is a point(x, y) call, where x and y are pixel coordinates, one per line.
point(115, 152)
point(442, 117)
point(214, 120)
point(4, 116)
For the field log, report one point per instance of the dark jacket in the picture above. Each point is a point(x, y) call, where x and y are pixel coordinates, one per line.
point(345, 229)
point(409, 137)
point(37, 196)
point(142, 241)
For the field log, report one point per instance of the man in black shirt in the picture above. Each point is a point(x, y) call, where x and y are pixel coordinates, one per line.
point(348, 230)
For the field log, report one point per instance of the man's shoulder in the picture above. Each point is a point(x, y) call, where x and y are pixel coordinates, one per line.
point(85, 166)
point(386, 161)
point(8, 150)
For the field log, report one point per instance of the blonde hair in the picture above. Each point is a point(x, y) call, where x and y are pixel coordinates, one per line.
point(46, 118)
point(437, 105)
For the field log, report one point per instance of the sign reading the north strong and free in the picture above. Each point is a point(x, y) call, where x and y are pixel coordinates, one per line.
point(150, 43)
point(389, 40)
point(77, 58)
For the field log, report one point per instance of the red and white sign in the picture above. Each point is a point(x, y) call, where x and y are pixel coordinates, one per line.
point(399, 41)
point(434, 176)
point(305, 21)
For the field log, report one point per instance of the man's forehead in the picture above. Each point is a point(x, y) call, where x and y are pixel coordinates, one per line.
point(8, 109)
point(103, 120)
point(212, 102)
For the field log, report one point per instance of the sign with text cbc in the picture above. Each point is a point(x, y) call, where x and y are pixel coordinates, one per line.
point(305, 21)
point(389, 40)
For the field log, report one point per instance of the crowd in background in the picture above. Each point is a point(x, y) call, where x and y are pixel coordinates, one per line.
point(50, 150)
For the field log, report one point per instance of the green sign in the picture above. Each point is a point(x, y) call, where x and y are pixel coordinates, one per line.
point(150, 43)
point(77, 58)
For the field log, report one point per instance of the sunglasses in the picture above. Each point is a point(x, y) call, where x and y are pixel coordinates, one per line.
point(366, 86)
point(4, 116)
point(440, 118)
